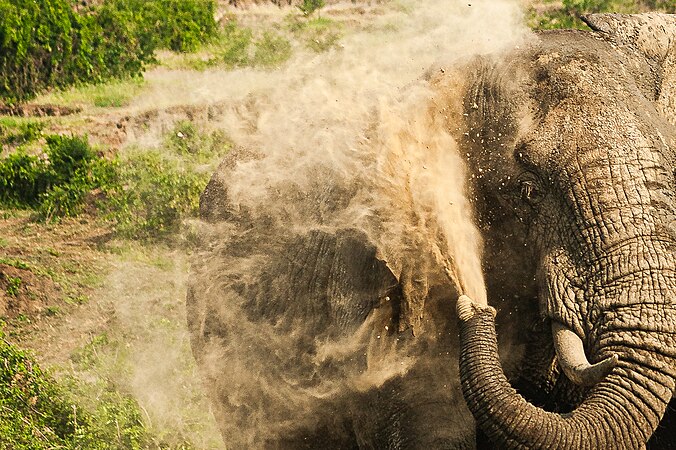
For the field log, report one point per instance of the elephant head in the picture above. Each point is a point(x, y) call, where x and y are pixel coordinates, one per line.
point(572, 141)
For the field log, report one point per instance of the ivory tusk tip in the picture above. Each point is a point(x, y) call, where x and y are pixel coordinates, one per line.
point(572, 359)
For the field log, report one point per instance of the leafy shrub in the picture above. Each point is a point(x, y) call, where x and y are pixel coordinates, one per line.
point(18, 131)
point(45, 43)
point(146, 195)
point(179, 25)
point(74, 171)
point(34, 412)
point(23, 178)
point(156, 194)
point(272, 50)
point(307, 7)
point(113, 419)
point(58, 184)
point(157, 189)
point(38, 412)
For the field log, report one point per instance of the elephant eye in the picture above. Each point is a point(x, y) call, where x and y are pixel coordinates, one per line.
point(531, 189)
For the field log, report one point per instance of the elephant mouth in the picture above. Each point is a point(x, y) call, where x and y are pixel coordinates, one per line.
point(631, 380)
point(615, 286)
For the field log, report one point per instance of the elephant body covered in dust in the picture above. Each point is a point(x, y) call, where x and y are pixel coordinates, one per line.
point(312, 337)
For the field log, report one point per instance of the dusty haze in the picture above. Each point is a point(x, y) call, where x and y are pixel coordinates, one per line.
point(360, 118)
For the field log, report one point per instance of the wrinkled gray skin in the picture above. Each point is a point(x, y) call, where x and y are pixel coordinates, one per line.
point(576, 141)
point(578, 135)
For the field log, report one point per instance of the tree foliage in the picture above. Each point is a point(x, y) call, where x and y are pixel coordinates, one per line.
point(46, 43)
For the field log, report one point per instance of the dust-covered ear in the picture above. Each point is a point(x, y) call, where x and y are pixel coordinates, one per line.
point(652, 35)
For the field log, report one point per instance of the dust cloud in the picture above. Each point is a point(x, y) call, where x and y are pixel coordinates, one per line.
point(364, 114)
point(354, 138)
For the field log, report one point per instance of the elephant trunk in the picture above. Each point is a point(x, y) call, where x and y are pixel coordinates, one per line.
point(621, 411)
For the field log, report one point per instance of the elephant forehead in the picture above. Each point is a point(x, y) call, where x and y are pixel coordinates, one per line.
point(625, 130)
point(573, 110)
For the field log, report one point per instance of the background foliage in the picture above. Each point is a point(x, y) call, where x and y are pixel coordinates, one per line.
point(566, 14)
point(46, 43)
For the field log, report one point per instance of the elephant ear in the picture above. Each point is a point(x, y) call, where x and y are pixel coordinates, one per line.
point(654, 36)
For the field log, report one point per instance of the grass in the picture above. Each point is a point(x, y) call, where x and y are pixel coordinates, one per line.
point(272, 50)
point(112, 94)
point(33, 413)
point(237, 46)
point(15, 131)
point(240, 47)
point(13, 286)
point(319, 34)
point(14, 262)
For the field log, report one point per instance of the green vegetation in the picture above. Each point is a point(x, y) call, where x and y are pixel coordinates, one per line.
point(178, 25)
point(161, 188)
point(271, 50)
point(37, 412)
point(57, 182)
point(318, 34)
point(569, 13)
point(17, 131)
point(232, 47)
point(110, 94)
point(46, 44)
point(307, 7)
point(13, 286)
point(237, 46)
point(34, 412)
point(158, 194)
point(145, 194)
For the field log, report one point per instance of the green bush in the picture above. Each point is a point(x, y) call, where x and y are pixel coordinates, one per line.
point(155, 195)
point(57, 184)
point(23, 178)
point(157, 189)
point(145, 195)
point(37, 412)
point(272, 50)
point(45, 43)
point(179, 25)
point(34, 411)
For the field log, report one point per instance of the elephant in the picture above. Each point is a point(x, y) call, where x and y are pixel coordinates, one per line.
point(319, 335)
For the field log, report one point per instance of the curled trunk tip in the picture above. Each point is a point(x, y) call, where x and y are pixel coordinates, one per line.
point(466, 308)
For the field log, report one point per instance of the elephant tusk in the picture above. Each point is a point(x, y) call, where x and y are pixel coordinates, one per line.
point(570, 352)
